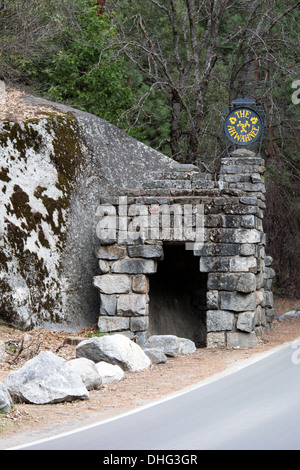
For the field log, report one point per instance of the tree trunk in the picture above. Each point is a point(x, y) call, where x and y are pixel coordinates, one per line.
point(175, 127)
point(192, 150)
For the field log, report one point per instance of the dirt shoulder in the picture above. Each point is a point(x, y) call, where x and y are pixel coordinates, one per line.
point(27, 422)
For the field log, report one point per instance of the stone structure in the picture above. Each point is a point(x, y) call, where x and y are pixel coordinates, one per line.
point(185, 255)
point(190, 264)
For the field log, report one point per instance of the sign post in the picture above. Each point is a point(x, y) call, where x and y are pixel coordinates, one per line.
point(243, 124)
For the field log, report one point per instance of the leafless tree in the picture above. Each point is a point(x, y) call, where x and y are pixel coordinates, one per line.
point(179, 47)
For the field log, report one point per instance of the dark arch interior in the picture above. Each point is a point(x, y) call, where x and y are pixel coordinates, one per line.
point(178, 296)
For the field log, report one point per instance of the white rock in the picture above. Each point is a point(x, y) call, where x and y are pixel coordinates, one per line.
point(115, 349)
point(186, 346)
point(109, 373)
point(87, 371)
point(46, 378)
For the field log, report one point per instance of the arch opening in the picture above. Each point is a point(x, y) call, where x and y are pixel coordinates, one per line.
point(177, 295)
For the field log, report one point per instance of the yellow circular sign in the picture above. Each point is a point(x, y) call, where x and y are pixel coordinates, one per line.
point(243, 126)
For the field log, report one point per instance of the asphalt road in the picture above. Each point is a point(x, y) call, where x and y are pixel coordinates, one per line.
point(254, 408)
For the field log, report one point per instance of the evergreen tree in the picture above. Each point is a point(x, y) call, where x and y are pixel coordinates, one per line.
point(63, 55)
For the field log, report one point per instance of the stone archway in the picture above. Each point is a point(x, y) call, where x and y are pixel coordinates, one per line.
point(177, 296)
point(216, 292)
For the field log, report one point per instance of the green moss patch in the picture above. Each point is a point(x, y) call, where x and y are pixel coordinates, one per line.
point(36, 212)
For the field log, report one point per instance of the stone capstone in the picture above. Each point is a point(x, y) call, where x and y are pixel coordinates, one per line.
point(46, 378)
point(115, 349)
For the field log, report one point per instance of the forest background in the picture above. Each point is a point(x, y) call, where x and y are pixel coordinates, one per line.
point(164, 71)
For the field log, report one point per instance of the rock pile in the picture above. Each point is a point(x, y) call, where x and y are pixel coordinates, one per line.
point(48, 378)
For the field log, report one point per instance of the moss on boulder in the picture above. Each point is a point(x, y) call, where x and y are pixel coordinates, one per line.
point(53, 172)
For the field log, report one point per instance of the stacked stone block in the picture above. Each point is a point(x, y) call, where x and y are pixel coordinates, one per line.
point(232, 248)
point(242, 307)
point(124, 287)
